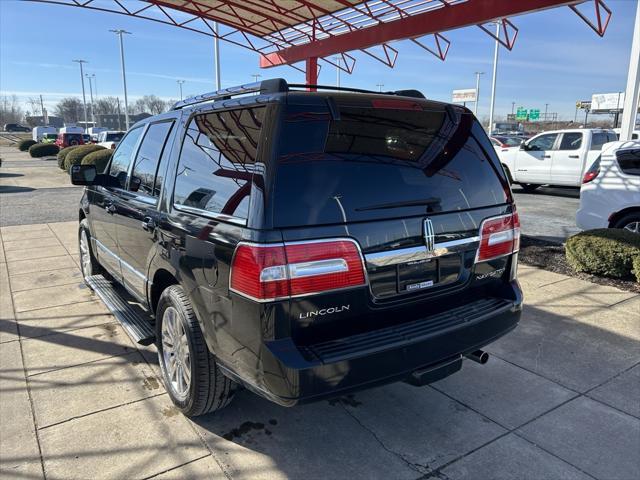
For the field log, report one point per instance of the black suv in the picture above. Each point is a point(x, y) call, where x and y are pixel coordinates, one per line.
point(16, 127)
point(303, 243)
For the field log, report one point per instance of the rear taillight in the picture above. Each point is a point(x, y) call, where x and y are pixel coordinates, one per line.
point(499, 236)
point(276, 271)
point(590, 175)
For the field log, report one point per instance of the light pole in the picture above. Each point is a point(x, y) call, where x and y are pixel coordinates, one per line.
point(93, 117)
point(180, 82)
point(84, 98)
point(216, 53)
point(120, 32)
point(380, 85)
point(475, 108)
point(95, 86)
point(513, 107)
point(337, 71)
point(256, 76)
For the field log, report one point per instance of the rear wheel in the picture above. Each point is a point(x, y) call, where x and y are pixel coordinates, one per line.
point(190, 372)
point(529, 187)
point(88, 263)
point(630, 222)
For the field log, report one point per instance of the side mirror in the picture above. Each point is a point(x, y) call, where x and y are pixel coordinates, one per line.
point(524, 146)
point(83, 174)
point(134, 183)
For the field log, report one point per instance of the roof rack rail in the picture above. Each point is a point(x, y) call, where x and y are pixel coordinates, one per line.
point(273, 85)
point(401, 93)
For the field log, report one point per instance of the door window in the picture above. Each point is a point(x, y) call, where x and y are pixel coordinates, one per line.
point(122, 156)
point(217, 161)
point(571, 141)
point(543, 142)
point(629, 161)
point(143, 179)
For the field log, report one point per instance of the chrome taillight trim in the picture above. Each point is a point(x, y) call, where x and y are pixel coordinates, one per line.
point(412, 254)
point(514, 233)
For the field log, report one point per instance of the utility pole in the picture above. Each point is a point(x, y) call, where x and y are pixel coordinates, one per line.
point(380, 85)
point(513, 107)
point(93, 117)
point(121, 32)
point(119, 115)
point(493, 81)
point(95, 85)
point(180, 82)
point(256, 76)
point(84, 98)
point(475, 108)
point(45, 118)
point(216, 54)
point(546, 108)
point(338, 72)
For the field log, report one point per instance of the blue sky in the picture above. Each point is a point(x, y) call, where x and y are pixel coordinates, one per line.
point(557, 59)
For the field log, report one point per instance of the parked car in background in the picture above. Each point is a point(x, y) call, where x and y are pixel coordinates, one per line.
point(49, 138)
point(305, 244)
point(71, 129)
point(95, 131)
point(16, 127)
point(506, 141)
point(38, 132)
point(86, 138)
point(554, 158)
point(635, 135)
point(610, 192)
point(69, 139)
point(110, 138)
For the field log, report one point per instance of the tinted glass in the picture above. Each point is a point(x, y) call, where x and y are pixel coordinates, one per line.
point(543, 142)
point(378, 163)
point(148, 158)
point(629, 161)
point(113, 137)
point(123, 155)
point(598, 140)
point(571, 141)
point(217, 161)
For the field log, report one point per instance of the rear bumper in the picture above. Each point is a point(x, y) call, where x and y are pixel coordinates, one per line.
point(292, 375)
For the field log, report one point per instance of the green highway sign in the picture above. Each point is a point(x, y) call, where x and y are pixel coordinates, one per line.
point(534, 114)
point(521, 113)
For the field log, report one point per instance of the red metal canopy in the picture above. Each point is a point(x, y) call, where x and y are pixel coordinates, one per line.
point(284, 32)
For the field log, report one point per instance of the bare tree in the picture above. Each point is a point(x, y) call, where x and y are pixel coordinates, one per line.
point(150, 104)
point(69, 109)
point(106, 106)
point(34, 106)
point(10, 110)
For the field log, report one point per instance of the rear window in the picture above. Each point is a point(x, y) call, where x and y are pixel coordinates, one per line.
point(114, 137)
point(629, 161)
point(375, 163)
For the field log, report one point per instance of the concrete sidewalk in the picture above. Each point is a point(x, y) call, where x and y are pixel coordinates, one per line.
point(560, 397)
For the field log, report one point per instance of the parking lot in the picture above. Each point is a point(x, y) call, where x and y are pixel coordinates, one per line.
point(558, 398)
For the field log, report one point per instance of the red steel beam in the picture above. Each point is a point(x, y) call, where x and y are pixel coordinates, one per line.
point(472, 12)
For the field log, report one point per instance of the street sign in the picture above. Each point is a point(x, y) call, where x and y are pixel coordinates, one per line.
point(466, 95)
point(521, 114)
point(534, 114)
point(583, 104)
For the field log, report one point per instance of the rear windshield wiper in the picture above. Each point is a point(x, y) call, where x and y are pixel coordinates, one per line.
point(409, 203)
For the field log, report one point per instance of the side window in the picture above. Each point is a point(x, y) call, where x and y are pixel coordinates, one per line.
point(629, 161)
point(217, 161)
point(598, 140)
point(123, 155)
point(543, 142)
point(495, 142)
point(571, 141)
point(148, 159)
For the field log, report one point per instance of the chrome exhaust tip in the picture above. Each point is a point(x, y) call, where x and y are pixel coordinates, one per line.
point(479, 356)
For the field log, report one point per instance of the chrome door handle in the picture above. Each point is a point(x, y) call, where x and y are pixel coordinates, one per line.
point(110, 208)
point(547, 156)
point(574, 156)
point(148, 224)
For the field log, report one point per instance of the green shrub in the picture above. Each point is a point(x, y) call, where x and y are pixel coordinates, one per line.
point(607, 252)
point(62, 154)
point(636, 267)
point(99, 158)
point(77, 154)
point(24, 145)
point(43, 150)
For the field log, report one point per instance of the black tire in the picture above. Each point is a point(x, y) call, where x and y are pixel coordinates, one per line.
point(88, 265)
point(208, 390)
point(529, 187)
point(630, 221)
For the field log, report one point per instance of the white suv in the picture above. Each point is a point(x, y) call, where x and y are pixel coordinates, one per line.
point(610, 192)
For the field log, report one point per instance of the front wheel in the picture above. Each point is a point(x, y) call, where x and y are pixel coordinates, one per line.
point(529, 187)
point(88, 263)
point(190, 372)
point(630, 222)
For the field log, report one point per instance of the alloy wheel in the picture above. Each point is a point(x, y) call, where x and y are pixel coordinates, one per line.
point(175, 353)
point(85, 255)
point(633, 227)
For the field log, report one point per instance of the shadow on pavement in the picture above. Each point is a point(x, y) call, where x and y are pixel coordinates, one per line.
point(10, 175)
point(13, 189)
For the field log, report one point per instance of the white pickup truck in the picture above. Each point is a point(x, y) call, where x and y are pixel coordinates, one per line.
point(554, 158)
